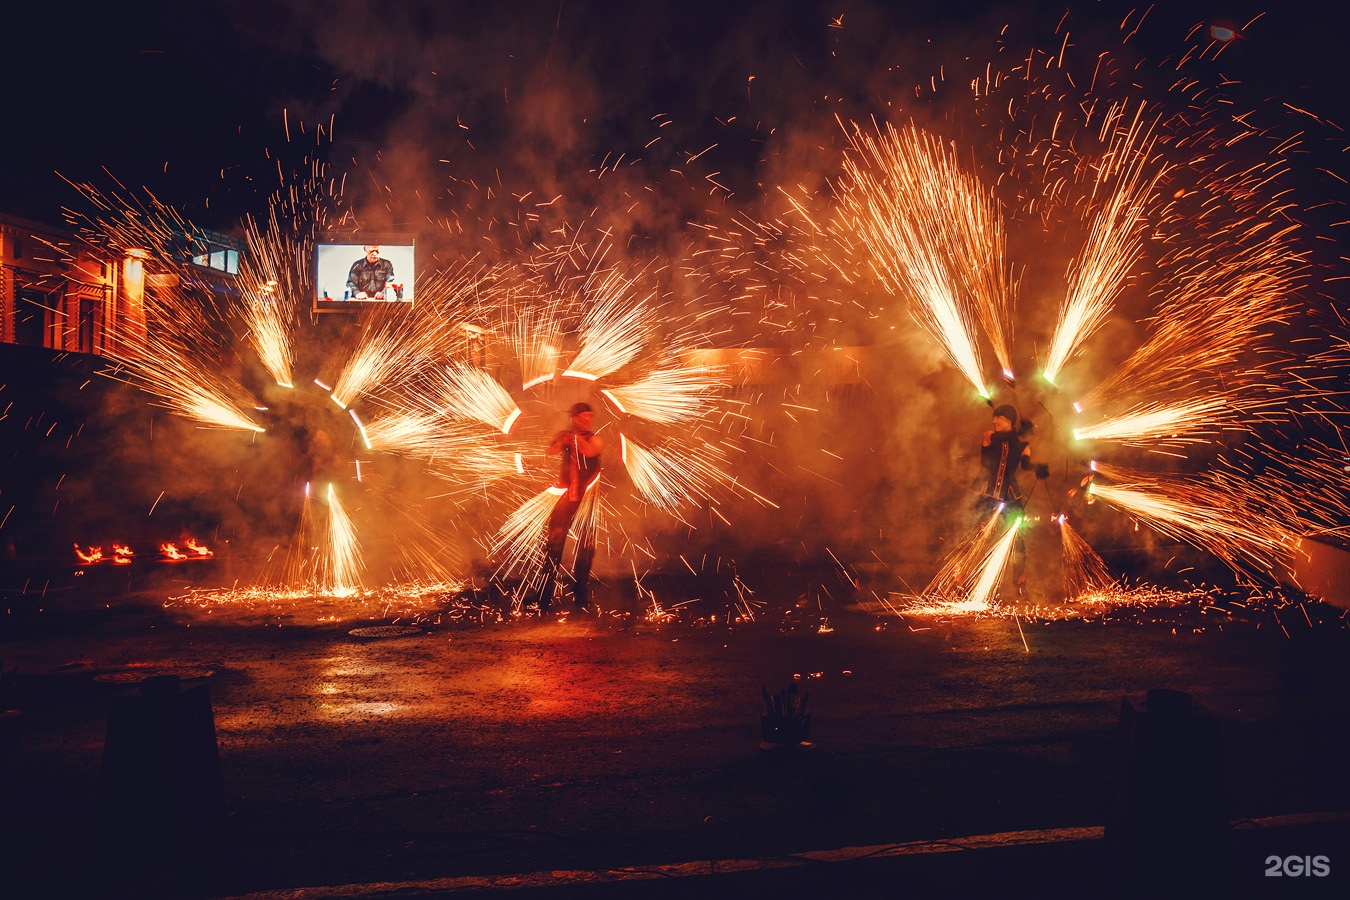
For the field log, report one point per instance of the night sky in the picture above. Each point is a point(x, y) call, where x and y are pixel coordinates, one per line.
point(188, 99)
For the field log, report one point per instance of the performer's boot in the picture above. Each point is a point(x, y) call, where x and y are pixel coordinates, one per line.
point(549, 579)
point(581, 582)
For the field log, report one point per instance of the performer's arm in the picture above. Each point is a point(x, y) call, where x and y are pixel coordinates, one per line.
point(589, 445)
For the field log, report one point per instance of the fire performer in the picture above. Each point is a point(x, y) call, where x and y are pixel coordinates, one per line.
point(370, 275)
point(1006, 448)
point(580, 450)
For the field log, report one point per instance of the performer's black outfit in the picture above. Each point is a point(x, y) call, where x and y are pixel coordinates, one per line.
point(1001, 460)
point(1005, 454)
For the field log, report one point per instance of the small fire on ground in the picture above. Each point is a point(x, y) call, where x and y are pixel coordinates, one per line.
point(122, 554)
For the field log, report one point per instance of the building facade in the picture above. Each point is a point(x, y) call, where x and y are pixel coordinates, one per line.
point(60, 293)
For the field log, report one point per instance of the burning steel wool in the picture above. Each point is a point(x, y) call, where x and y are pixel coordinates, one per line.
point(1183, 219)
point(421, 434)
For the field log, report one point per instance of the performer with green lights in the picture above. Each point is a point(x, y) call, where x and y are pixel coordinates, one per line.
point(1007, 448)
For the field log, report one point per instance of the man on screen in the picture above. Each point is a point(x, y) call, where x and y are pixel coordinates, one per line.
point(369, 276)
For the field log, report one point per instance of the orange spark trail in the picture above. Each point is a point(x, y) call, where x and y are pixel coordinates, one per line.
point(1095, 280)
point(1220, 521)
point(1085, 574)
point(931, 233)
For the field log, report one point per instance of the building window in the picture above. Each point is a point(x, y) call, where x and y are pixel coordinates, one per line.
point(220, 258)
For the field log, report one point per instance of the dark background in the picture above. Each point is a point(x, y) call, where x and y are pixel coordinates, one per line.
point(188, 99)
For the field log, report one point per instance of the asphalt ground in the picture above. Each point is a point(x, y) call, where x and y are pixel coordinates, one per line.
point(609, 755)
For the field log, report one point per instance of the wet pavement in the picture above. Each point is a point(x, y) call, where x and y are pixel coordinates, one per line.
point(606, 755)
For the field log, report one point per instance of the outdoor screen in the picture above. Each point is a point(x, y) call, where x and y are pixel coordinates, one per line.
point(353, 276)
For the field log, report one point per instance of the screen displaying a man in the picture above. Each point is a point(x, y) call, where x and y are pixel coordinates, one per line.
point(370, 276)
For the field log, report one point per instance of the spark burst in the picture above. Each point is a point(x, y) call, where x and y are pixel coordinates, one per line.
point(341, 561)
point(934, 234)
point(1129, 174)
point(1085, 574)
point(1160, 425)
point(1222, 522)
point(1185, 208)
point(992, 568)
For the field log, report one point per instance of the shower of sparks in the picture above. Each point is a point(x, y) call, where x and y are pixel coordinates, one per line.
point(663, 480)
point(405, 432)
point(434, 426)
point(1085, 573)
point(342, 563)
point(590, 519)
point(1220, 521)
point(397, 347)
point(932, 235)
point(270, 335)
point(1161, 425)
point(954, 576)
point(164, 344)
point(697, 472)
point(382, 355)
point(204, 403)
point(1218, 263)
point(614, 330)
point(970, 576)
point(478, 396)
point(518, 544)
point(1218, 308)
point(992, 569)
point(519, 541)
point(170, 368)
point(535, 336)
point(272, 280)
point(667, 396)
point(423, 404)
point(1129, 174)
